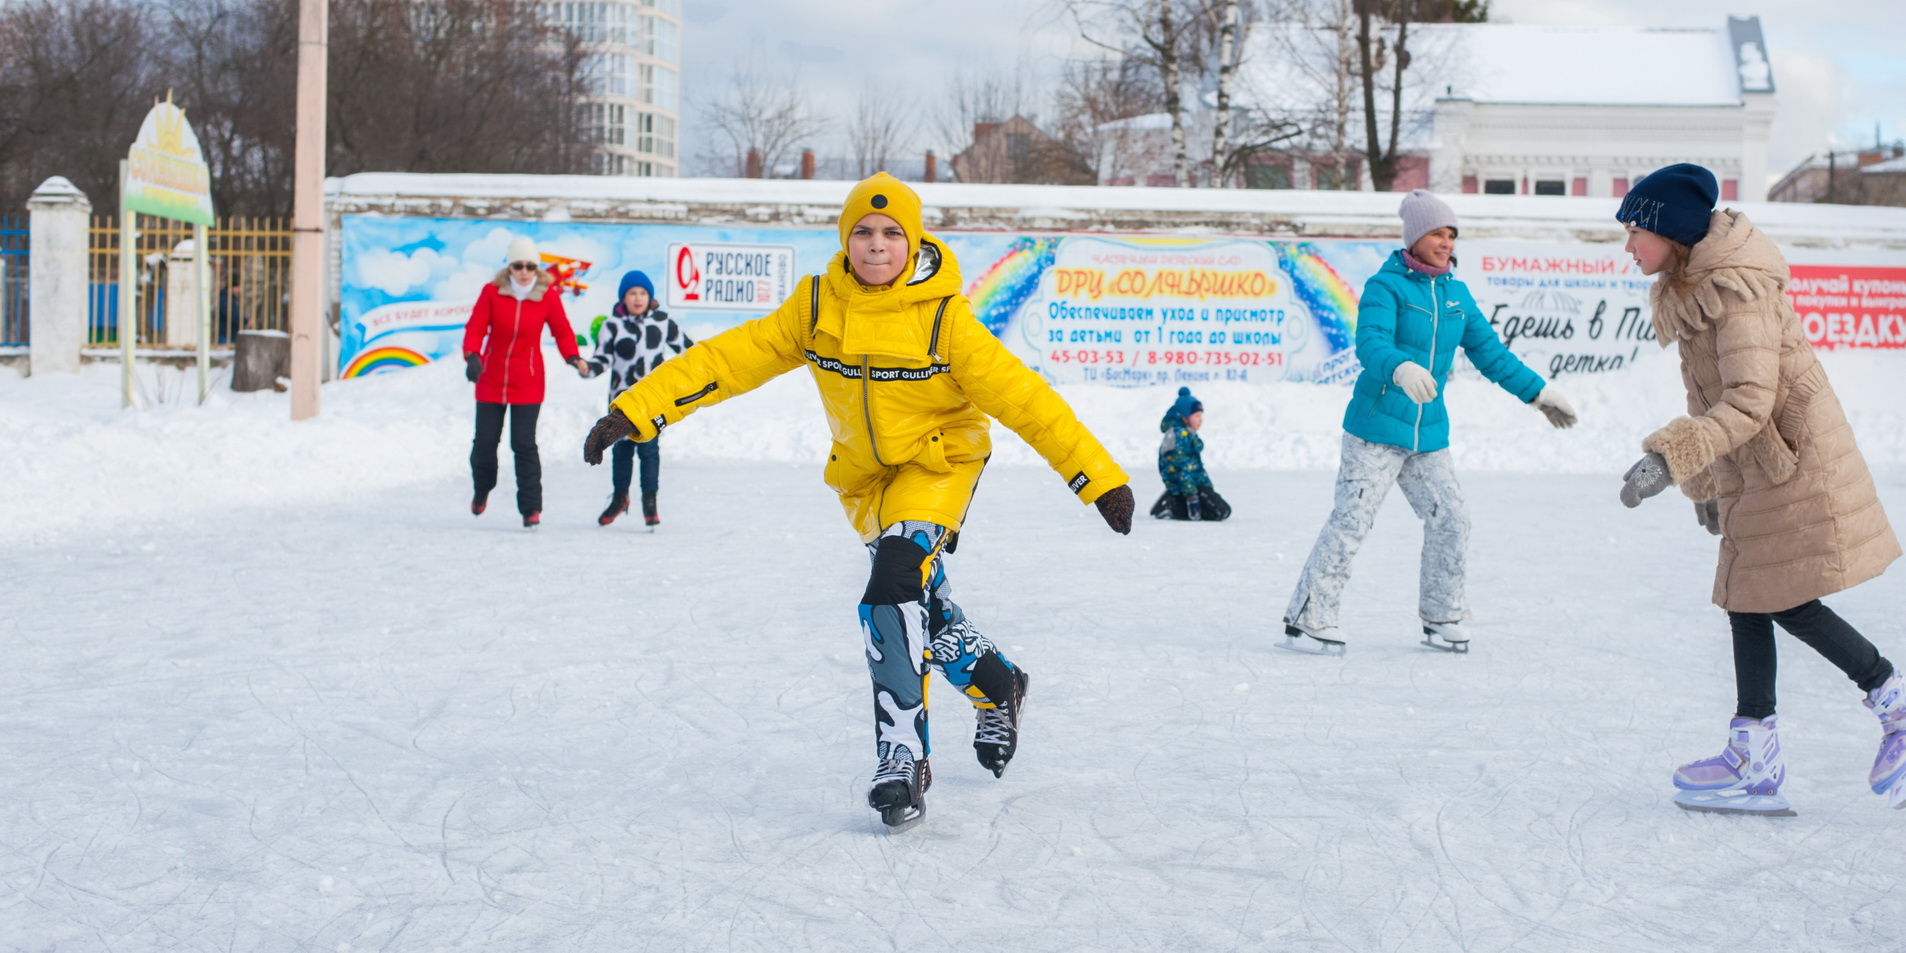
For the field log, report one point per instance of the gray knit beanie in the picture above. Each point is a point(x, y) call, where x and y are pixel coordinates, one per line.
point(1423, 213)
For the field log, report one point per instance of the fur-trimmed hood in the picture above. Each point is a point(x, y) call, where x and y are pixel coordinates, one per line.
point(502, 282)
point(1735, 260)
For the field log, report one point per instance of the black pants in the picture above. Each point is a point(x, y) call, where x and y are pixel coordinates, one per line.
point(622, 463)
point(1815, 624)
point(529, 466)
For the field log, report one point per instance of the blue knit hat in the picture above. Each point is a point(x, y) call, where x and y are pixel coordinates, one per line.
point(1185, 405)
point(1673, 202)
point(634, 279)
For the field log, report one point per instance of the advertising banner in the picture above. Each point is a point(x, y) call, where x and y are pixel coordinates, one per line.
point(165, 169)
point(1850, 307)
point(1122, 310)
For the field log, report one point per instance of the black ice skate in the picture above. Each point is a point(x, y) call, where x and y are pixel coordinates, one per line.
point(532, 520)
point(618, 505)
point(479, 503)
point(1325, 641)
point(997, 735)
point(899, 792)
point(648, 511)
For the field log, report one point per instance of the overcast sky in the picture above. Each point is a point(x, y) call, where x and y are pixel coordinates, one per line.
point(1839, 65)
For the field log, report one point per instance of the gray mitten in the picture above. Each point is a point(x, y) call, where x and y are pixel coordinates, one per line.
point(1647, 477)
point(1708, 512)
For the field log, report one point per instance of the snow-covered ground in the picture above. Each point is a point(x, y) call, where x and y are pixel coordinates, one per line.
point(270, 687)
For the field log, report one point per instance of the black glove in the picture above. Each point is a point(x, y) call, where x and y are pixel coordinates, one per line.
point(1708, 512)
point(1647, 477)
point(611, 428)
point(1116, 506)
point(472, 367)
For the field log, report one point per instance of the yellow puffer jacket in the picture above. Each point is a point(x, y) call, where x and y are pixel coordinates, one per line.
point(908, 377)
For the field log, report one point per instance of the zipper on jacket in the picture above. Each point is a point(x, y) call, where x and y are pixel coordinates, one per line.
point(867, 411)
point(510, 348)
point(1436, 324)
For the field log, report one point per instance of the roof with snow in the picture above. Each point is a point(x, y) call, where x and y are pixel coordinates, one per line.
point(1598, 66)
point(1537, 65)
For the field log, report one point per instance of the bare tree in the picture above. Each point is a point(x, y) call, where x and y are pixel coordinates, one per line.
point(1092, 100)
point(76, 79)
point(453, 85)
point(978, 97)
point(878, 131)
point(1398, 14)
point(1162, 34)
point(762, 112)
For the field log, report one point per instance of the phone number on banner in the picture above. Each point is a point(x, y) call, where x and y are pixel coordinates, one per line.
point(1209, 358)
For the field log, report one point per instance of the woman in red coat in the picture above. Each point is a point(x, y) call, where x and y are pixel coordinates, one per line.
point(503, 350)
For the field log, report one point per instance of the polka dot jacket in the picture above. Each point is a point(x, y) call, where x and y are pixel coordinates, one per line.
point(630, 347)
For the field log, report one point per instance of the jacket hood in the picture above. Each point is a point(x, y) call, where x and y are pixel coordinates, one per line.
point(1735, 262)
point(502, 282)
point(873, 321)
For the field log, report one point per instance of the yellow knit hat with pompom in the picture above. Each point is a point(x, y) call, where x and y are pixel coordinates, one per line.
point(885, 195)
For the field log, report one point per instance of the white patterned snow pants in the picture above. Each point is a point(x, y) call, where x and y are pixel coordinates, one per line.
point(1364, 477)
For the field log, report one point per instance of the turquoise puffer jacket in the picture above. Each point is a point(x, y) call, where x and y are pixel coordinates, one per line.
point(1405, 315)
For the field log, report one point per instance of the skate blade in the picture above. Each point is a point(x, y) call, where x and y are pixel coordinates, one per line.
point(1311, 645)
point(1734, 802)
point(1303, 643)
point(1453, 648)
point(900, 820)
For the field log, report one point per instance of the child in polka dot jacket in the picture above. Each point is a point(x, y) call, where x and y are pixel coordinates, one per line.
point(633, 340)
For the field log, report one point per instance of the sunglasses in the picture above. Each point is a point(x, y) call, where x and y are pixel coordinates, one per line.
point(522, 266)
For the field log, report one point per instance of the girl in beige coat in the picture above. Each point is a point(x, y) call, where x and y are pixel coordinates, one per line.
point(1767, 457)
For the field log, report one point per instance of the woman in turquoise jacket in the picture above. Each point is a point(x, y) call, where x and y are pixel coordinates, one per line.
point(1411, 317)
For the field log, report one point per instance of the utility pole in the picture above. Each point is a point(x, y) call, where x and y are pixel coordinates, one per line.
point(307, 219)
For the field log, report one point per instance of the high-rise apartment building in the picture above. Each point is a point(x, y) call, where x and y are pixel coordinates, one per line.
point(634, 71)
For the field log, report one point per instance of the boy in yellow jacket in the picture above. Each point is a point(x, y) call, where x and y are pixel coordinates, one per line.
point(908, 377)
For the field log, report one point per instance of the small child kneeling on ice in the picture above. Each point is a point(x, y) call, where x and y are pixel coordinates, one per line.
point(1188, 493)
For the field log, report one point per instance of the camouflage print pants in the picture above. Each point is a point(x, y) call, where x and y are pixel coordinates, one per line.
point(905, 637)
point(1428, 481)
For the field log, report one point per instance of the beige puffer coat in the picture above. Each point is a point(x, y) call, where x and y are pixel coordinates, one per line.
point(1800, 518)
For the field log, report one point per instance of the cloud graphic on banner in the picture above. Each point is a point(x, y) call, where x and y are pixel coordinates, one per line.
point(395, 273)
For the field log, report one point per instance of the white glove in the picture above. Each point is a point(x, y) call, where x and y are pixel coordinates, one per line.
point(1555, 407)
point(1415, 381)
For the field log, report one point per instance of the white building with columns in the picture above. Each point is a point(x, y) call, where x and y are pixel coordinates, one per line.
point(1532, 110)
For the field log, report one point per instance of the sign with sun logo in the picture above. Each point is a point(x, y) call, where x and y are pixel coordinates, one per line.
point(165, 171)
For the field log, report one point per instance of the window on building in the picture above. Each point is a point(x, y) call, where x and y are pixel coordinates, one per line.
point(1267, 175)
point(1621, 186)
point(1578, 185)
point(660, 39)
point(594, 22)
point(610, 74)
point(1730, 190)
point(671, 7)
point(655, 135)
point(1499, 187)
point(659, 87)
point(1551, 187)
point(1470, 185)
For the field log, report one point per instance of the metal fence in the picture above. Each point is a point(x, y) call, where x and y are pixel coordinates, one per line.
point(14, 327)
point(251, 277)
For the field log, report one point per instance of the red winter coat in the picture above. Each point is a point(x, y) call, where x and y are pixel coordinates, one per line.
point(509, 335)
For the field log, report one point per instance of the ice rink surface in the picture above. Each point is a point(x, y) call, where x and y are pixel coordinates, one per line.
point(268, 718)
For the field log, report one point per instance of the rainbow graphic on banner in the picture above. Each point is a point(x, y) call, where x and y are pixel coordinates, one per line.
point(381, 359)
point(1330, 299)
point(997, 294)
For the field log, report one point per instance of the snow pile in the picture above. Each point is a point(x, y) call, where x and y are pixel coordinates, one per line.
point(70, 457)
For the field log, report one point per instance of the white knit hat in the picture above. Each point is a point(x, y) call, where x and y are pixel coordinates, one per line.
point(523, 248)
point(1423, 213)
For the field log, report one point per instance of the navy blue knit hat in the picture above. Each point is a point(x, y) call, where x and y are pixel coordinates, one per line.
point(1673, 202)
point(635, 279)
point(1185, 405)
